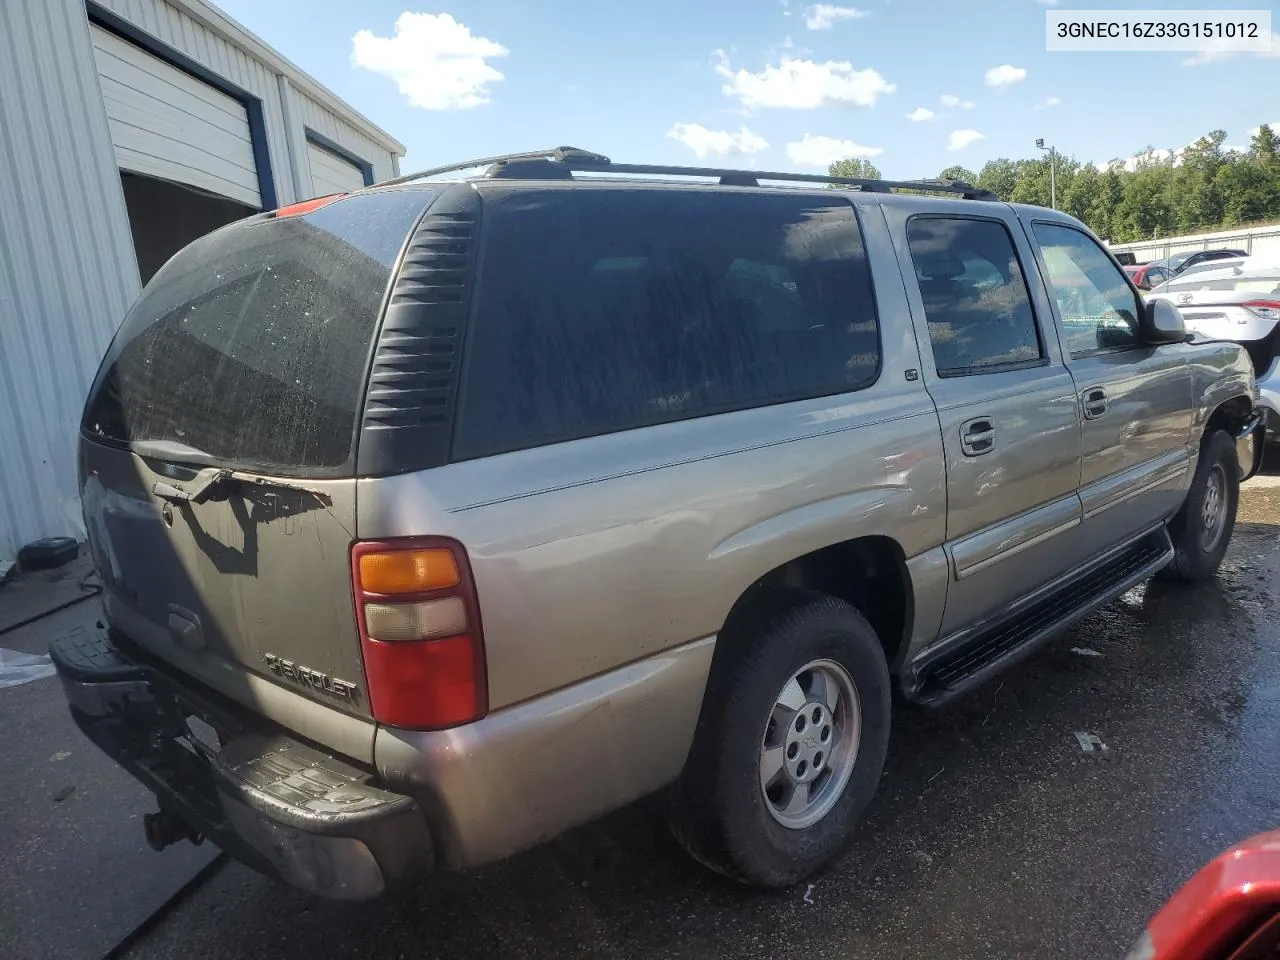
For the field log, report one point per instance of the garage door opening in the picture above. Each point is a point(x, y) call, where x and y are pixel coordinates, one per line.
point(166, 216)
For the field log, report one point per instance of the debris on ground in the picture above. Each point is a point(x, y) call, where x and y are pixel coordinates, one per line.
point(1085, 652)
point(808, 893)
point(1090, 742)
point(63, 792)
point(18, 668)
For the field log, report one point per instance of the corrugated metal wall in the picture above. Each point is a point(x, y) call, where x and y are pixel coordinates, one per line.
point(326, 123)
point(67, 270)
point(67, 267)
point(1256, 241)
point(178, 29)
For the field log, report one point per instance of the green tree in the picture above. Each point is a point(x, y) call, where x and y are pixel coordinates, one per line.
point(1080, 194)
point(1249, 191)
point(1032, 185)
point(999, 176)
point(1264, 148)
point(1145, 210)
point(1103, 213)
point(958, 172)
point(1196, 197)
point(860, 167)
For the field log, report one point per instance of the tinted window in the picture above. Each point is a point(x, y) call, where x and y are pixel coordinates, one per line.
point(1098, 308)
point(601, 309)
point(974, 294)
point(252, 343)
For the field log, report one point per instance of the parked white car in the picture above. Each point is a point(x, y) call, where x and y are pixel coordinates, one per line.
point(1240, 301)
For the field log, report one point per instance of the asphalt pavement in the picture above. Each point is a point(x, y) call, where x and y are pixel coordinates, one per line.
point(994, 834)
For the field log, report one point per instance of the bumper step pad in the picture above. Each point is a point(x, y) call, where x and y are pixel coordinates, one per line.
point(281, 805)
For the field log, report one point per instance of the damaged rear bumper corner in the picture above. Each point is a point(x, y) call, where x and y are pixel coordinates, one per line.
point(282, 806)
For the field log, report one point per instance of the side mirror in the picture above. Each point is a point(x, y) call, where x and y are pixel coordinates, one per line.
point(1162, 322)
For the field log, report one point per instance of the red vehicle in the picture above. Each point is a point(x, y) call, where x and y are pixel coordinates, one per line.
point(1147, 275)
point(1230, 910)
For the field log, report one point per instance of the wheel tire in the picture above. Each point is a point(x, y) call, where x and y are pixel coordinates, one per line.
point(720, 812)
point(1197, 554)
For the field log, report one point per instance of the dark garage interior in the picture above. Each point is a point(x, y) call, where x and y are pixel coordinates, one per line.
point(165, 216)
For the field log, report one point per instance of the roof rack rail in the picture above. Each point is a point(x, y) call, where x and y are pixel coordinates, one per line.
point(560, 163)
point(559, 154)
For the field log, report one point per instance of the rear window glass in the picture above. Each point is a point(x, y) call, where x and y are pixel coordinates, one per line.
point(251, 345)
point(601, 310)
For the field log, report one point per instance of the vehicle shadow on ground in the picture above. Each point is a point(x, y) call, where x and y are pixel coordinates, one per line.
point(990, 821)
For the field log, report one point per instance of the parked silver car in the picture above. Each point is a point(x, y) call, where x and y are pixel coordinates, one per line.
point(437, 519)
point(1239, 301)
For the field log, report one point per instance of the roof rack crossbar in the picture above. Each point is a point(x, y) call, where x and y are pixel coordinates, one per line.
point(558, 162)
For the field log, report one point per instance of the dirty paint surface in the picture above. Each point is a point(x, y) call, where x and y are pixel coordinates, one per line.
point(994, 833)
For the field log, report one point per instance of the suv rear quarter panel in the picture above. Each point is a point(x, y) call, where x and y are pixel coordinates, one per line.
point(599, 552)
point(591, 554)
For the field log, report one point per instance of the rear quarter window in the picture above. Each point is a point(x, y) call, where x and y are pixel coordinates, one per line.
point(252, 344)
point(599, 310)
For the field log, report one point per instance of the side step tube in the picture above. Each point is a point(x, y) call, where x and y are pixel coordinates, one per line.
point(959, 667)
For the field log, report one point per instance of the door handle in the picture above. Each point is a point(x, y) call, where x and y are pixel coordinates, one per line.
point(1095, 403)
point(977, 436)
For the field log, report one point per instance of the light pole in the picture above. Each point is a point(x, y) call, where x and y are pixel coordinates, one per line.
point(1053, 173)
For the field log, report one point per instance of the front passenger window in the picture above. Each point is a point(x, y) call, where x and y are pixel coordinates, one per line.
point(1098, 307)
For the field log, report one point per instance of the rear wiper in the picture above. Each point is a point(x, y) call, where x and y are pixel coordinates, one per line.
point(171, 451)
point(207, 482)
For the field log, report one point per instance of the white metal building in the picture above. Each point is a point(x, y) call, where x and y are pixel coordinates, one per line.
point(127, 129)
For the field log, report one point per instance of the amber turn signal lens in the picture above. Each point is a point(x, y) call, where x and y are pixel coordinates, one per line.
point(408, 571)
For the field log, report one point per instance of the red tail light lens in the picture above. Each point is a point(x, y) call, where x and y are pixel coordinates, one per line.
point(1266, 309)
point(306, 206)
point(420, 632)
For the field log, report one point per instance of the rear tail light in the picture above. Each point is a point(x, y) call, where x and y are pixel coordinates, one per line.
point(306, 206)
point(1266, 309)
point(420, 632)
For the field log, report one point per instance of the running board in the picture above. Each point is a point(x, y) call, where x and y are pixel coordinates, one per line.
point(961, 668)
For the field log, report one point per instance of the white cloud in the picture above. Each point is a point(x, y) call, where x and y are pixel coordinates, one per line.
point(1049, 3)
point(802, 84)
point(823, 151)
point(1048, 102)
point(960, 139)
point(437, 62)
point(1005, 75)
point(921, 114)
point(951, 100)
point(722, 143)
point(1213, 52)
point(823, 16)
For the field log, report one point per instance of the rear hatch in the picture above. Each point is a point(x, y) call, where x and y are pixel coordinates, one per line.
point(217, 451)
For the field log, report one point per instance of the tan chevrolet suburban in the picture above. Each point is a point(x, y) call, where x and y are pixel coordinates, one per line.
point(436, 519)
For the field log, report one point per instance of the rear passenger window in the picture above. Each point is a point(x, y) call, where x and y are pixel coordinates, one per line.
point(600, 309)
point(975, 296)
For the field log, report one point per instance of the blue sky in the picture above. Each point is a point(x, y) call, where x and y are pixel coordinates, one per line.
point(761, 83)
